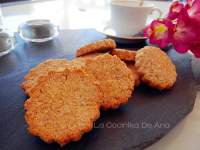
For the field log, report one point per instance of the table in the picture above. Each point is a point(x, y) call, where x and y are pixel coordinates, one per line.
point(81, 14)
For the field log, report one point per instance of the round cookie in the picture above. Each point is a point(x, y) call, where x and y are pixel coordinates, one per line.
point(124, 54)
point(135, 73)
point(155, 67)
point(30, 80)
point(115, 79)
point(90, 55)
point(63, 107)
point(98, 46)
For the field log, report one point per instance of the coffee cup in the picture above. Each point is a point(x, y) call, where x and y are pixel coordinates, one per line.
point(128, 18)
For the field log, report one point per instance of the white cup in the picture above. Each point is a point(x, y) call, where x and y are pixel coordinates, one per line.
point(128, 18)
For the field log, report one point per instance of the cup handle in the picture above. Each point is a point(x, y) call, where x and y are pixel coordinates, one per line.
point(155, 9)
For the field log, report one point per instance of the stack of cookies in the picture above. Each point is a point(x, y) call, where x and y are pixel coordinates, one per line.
point(66, 96)
point(150, 64)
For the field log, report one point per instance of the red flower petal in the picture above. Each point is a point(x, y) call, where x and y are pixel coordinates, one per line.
point(186, 36)
point(189, 3)
point(147, 31)
point(160, 32)
point(174, 10)
point(194, 10)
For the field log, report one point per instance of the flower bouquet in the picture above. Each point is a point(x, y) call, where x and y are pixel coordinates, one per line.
point(181, 28)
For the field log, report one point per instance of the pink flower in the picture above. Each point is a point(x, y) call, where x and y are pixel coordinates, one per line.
point(180, 36)
point(186, 36)
point(174, 10)
point(189, 3)
point(160, 32)
point(181, 28)
point(193, 8)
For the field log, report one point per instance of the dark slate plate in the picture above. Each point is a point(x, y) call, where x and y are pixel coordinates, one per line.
point(147, 117)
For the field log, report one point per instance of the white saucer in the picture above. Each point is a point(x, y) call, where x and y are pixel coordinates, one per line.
point(5, 52)
point(123, 39)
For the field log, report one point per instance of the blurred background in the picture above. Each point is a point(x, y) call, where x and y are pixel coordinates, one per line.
point(68, 14)
point(7, 1)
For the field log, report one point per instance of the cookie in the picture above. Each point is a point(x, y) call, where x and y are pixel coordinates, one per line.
point(98, 46)
point(124, 54)
point(134, 71)
point(30, 80)
point(155, 67)
point(115, 79)
point(90, 55)
point(63, 106)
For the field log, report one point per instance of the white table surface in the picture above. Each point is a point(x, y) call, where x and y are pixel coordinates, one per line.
point(79, 14)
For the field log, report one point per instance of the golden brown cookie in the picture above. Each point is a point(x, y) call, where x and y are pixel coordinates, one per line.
point(115, 79)
point(123, 54)
point(63, 107)
point(30, 80)
point(90, 55)
point(155, 67)
point(135, 73)
point(98, 46)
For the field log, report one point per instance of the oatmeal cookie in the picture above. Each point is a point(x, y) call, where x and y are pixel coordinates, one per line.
point(98, 46)
point(115, 79)
point(134, 71)
point(30, 80)
point(155, 67)
point(123, 54)
point(63, 106)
